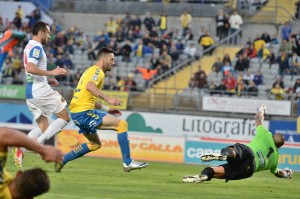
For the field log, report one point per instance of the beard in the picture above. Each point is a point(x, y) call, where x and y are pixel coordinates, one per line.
point(44, 41)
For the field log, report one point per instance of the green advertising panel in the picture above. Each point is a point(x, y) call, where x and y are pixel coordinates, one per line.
point(12, 92)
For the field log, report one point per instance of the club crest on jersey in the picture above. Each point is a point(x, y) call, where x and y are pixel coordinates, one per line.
point(36, 53)
point(95, 77)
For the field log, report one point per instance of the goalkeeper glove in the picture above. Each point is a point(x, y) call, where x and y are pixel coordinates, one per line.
point(287, 173)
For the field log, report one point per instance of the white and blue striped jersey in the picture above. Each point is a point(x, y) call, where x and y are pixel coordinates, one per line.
point(36, 85)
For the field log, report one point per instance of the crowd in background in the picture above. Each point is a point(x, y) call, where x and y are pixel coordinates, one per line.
point(153, 48)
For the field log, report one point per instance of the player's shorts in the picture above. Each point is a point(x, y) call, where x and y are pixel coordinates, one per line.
point(45, 105)
point(242, 166)
point(88, 121)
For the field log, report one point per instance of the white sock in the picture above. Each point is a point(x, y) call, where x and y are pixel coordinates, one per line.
point(53, 129)
point(34, 133)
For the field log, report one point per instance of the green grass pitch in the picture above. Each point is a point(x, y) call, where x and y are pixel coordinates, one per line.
point(103, 178)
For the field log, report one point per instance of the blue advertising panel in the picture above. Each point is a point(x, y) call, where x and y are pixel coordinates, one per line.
point(287, 128)
point(15, 113)
point(289, 156)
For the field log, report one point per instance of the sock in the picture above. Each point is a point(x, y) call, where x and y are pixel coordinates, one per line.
point(34, 133)
point(125, 149)
point(54, 128)
point(76, 153)
point(209, 172)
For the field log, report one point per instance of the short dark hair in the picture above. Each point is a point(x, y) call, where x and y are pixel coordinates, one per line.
point(278, 139)
point(32, 183)
point(104, 51)
point(39, 26)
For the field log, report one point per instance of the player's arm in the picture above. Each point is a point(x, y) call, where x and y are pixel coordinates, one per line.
point(33, 69)
point(113, 111)
point(12, 137)
point(259, 117)
point(92, 88)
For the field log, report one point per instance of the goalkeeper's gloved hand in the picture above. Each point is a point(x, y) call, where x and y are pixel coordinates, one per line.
point(287, 173)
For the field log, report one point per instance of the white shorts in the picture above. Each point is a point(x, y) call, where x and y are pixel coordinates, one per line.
point(50, 103)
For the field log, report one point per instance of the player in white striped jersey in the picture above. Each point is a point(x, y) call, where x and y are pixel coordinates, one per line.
point(41, 99)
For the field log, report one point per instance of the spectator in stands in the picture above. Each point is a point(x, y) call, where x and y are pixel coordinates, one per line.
point(226, 58)
point(241, 64)
point(227, 68)
point(212, 87)
point(126, 51)
point(201, 81)
point(263, 54)
point(222, 88)
point(111, 27)
point(240, 89)
point(252, 89)
point(296, 88)
point(149, 22)
point(217, 66)
point(266, 37)
point(286, 31)
point(17, 21)
point(188, 36)
point(294, 63)
point(147, 74)
point(162, 23)
point(120, 35)
point(230, 83)
point(247, 77)
point(174, 53)
point(121, 83)
point(88, 47)
point(279, 80)
point(206, 42)
point(258, 43)
point(250, 51)
point(136, 22)
point(199, 72)
point(2, 26)
point(154, 61)
point(166, 61)
point(258, 78)
point(277, 92)
point(68, 64)
point(37, 14)
point(286, 47)
point(221, 20)
point(51, 63)
point(20, 11)
point(283, 62)
point(192, 83)
point(130, 84)
point(8, 72)
point(190, 50)
point(137, 34)
point(140, 49)
point(186, 21)
point(235, 21)
point(68, 47)
point(127, 21)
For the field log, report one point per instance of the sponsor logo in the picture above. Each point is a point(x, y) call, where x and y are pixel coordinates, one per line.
point(36, 53)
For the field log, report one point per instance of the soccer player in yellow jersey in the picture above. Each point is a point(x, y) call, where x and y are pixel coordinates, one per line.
point(29, 183)
point(86, 115)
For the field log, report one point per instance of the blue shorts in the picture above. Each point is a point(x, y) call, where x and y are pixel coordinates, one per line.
point(88, 121)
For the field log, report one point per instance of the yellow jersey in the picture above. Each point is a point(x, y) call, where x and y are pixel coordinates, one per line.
point(5, 178)
point(83, 100)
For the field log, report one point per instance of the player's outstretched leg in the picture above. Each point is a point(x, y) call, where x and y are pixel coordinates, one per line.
point(212, 156)
point(194, 179)
point(77, 153)
point(206, 175)
point(128, 163)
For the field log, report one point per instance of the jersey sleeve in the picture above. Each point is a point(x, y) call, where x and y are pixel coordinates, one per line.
point(35, 54)
point(95, 77)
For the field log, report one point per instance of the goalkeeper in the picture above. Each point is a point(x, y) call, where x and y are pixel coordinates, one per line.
point(244, 160)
